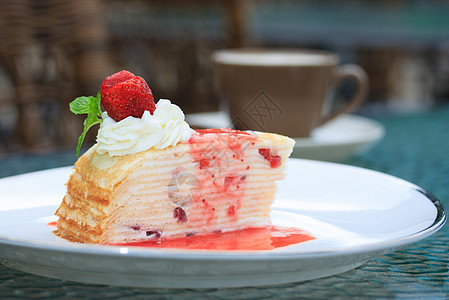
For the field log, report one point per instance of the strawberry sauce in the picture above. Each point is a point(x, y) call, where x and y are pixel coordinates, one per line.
point(53, 224)
point(250, 239)
point(222, 170)
point(221, 130)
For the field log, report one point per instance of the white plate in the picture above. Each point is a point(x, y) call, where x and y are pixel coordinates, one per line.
point(334, 141)
point(355, 214)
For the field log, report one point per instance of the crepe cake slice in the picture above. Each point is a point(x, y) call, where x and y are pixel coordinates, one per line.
point(220, 180)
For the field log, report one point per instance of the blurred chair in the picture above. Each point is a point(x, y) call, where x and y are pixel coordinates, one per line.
point(170, 42)
point(55, 50)
point(52, 51)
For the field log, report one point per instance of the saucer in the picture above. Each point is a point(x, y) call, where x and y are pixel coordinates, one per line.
point(336, 140)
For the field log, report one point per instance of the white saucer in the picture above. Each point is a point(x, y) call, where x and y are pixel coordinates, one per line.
point(334, 141)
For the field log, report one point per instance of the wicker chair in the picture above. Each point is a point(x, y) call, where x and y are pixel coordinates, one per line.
point(55, 50)
point(52, 51)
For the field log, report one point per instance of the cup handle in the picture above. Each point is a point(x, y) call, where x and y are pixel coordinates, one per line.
point(356, 73)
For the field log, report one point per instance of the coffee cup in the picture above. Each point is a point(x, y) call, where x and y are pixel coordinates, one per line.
point(289, 92)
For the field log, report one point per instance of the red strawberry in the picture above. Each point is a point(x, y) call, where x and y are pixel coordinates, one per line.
point(116, 78)
point(123, 94)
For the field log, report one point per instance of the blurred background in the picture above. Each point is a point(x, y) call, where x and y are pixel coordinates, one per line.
point(52, 51)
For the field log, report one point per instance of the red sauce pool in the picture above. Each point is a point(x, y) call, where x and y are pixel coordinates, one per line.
point(254, 239)
point(53, 224)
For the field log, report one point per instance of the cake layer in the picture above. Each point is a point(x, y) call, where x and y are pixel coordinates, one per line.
point(220, 180)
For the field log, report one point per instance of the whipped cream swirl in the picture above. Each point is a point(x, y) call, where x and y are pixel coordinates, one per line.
point(166, 127)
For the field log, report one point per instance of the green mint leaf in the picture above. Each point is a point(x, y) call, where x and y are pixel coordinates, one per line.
point(88, 123)
point(90, 106)
point(96, 104)
point(81, 105)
